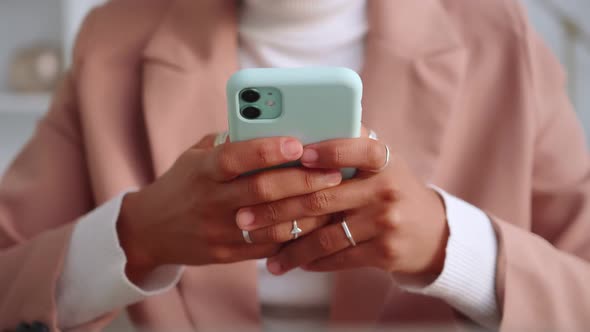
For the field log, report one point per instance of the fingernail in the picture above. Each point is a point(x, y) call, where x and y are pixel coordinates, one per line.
point(291, 148)
point(333, 178)
point(245, 218)
point(274, 266)
point(310, 156)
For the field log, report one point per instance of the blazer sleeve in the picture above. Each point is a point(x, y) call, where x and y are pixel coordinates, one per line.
point(543, 275)
point(42, 194)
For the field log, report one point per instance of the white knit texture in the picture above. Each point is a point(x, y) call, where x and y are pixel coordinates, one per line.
point(93, 281)
point(287, 33)
point(468, 279)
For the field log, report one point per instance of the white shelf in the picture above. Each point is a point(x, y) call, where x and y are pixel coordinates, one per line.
point(26, 104)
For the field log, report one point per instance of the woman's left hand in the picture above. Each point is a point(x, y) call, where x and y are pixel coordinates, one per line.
point(397, 222)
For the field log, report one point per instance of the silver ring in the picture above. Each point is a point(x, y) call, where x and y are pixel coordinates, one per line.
point(220, 138)
point(373, 135)
point(295, 231)
point(347, 232)
point(387, 159)
point(247, 237)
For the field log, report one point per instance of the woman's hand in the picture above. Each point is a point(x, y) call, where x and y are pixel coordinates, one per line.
point(187, 215)
point(398, 223)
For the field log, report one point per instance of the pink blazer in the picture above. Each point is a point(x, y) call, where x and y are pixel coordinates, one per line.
point(464, 90)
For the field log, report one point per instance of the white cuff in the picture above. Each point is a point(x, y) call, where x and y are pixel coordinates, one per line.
point(468, 279)
point(93, 281)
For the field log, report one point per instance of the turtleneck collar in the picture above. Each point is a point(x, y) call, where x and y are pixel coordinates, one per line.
point(293, 33)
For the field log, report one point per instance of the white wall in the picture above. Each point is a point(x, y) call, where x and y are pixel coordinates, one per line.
point(554, 20)
point(14, 131)
point(74, 12)
point(23, 22)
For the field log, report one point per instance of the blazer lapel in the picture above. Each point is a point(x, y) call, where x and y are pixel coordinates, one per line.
point(186, 64)
point(414, 68)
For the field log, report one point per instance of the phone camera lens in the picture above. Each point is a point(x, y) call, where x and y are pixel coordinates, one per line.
point(251, 112)
point(250, 96)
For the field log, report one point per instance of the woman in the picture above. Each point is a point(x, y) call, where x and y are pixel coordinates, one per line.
point(121, 199)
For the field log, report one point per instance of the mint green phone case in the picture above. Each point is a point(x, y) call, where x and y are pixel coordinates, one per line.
point(316, 104)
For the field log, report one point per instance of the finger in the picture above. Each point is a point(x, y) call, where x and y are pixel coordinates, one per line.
point(206, 142)
point(283, 232)
point(361, 153)
point(279, 233)
point(363, 255)
point(347, 196)
point(321, 243)
point(277, 184)
point(231, 160)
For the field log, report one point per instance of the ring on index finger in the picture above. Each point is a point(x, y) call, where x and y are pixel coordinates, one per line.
point(220, 138)
point(373, 135)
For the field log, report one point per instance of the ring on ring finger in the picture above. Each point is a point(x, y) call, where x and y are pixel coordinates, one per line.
point(325, 242)
point(347, 232)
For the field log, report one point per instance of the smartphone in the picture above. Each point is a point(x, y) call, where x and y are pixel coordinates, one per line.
point(312, 104)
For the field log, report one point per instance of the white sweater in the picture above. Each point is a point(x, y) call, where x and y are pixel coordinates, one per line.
point(281, 33)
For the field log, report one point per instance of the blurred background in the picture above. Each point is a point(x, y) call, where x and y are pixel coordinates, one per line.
point(36, 37)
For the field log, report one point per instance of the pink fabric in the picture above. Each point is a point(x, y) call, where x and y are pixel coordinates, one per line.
point(464, 90)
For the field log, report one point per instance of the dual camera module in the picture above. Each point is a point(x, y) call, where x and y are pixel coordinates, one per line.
point(250, 96)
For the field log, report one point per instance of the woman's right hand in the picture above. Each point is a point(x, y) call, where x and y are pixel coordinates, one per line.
point(188, 215)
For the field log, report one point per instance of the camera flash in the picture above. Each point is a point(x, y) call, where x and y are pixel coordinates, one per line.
point(270, 103)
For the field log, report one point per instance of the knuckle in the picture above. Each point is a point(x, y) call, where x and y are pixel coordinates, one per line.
point(265, 154)
point(225, 163)
point(309, 181)
point(386, 193)
point(259, 187)
point(272, 212)
point(325, 242)
point(274, 234)
point(317, 202)
point(222, 254)
point(395, 218)
point(391, 220)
